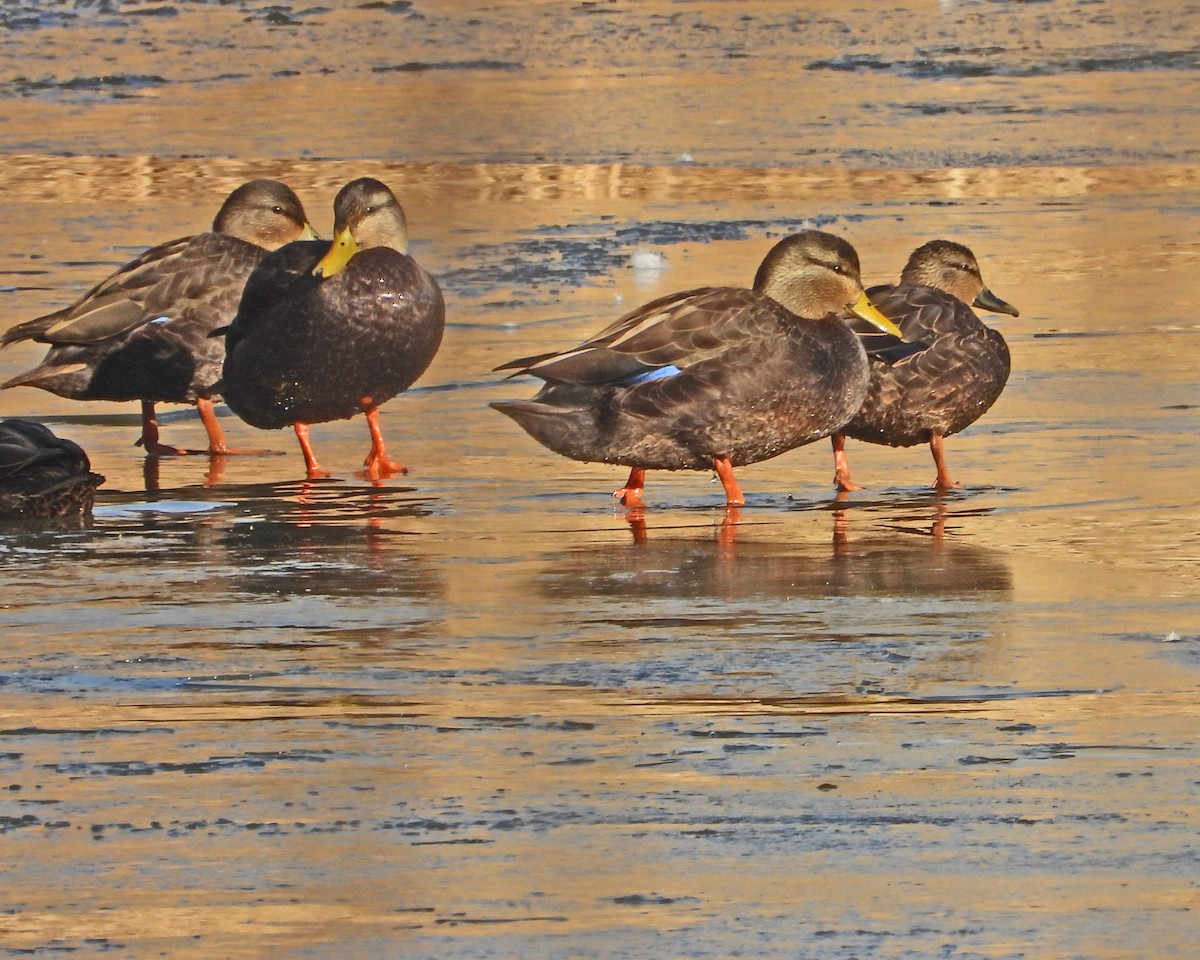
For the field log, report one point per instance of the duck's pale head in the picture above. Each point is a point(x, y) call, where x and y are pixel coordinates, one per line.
point(953, 269)
point(266, 213)
point(366, 214)
point(814, 274)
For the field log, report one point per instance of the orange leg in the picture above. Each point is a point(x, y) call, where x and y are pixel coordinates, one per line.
point(841, 466)
point(733, 493)
point(310, 459)
point(208, 416)
point(377, 463)
point(216, 436)
point(631, 494)
point(943, 481)
point(149, 438)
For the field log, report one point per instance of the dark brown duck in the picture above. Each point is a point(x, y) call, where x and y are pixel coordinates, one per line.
point(143, 332)
point(714, 378)
point(42, 475)
point(326, 331)
point(932, 394)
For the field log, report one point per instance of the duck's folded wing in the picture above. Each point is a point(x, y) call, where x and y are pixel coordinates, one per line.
point(282, 274)
point(156, 286)
point(14, 457)
point(883, 346)
point(671, 333)
point(956, 363)
point(23, 443)
point(113, 306)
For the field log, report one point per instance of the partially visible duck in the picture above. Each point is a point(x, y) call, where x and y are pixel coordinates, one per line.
point(42, 475)
point(931, 394)
point(326, 331)
point(714, 378)
point(143, 332)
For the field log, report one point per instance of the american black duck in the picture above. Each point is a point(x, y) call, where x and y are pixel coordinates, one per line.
point(42, 475)
point(143, 332)
point(711, 379)
point(929, 395)
point(326, 331)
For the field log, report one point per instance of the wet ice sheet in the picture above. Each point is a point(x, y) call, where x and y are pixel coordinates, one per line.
point(770, 83)
point(477, 711)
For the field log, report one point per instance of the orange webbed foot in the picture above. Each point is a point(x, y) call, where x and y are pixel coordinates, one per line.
point(630, 495)
point(312, 469)
point(155, 449)
point(378, 466)
point(381, 467)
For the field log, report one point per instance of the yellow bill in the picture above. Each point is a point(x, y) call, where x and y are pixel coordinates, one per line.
point(863, 307)
point(342, 249)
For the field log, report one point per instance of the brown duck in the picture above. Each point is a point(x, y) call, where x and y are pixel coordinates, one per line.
point(143, 332)
point(714, 378)
point(42, 475)
point(931, 394)
point(326, 331)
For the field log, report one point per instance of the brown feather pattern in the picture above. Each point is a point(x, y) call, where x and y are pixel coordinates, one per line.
point(142, 333)
point(752, 379)
point(941, 390)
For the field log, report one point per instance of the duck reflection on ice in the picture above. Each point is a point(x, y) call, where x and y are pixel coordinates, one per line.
point(323, 539)
point(903, 550)
point(329, 539)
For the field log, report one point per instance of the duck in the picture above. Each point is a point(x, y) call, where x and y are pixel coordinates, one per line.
point(42, 475)
point(712, 378)
point(327, 330)
point(957, 371)
point(142, 332)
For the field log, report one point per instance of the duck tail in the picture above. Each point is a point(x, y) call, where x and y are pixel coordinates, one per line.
point(554, 427)
point(29, 330)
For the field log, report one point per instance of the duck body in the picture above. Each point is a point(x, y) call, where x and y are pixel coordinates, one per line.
point(943, 389)
point(153, 342)
point(42, 475)
point(713, 378)
point(327, 330)
point(737, 396)
point(958, 369)
point(142, 333)
point(309, 350)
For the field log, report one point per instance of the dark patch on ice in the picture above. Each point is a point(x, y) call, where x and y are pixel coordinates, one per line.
point(573, 255)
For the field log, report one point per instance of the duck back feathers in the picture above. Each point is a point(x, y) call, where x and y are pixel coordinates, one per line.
point(940, 390)
point(42, 475)
point(142, 332)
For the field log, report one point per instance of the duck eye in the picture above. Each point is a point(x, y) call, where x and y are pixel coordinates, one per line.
point(277, 209)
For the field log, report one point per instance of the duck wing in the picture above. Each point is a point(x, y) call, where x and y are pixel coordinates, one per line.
point(186, 274)
point(961, 350)
point(26, 442)
point(663, 337)
point(282, 274)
